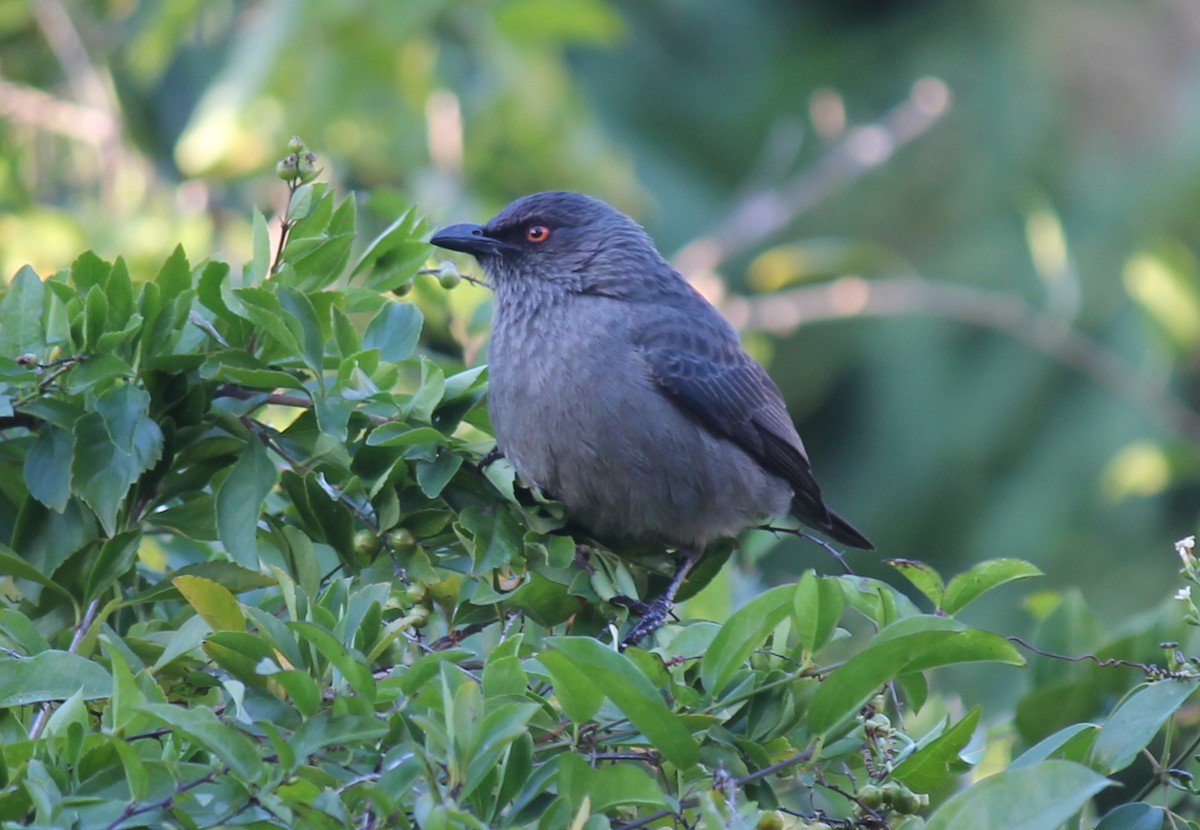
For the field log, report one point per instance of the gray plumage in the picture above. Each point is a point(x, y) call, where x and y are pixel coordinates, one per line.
point(618, 390)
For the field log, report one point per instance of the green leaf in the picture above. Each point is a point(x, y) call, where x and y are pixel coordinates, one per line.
point(394, 331)
point(622, 683)
point(201, 726)
point(1137, 721)
point(579, 697)
point(745, 631)
point(967, 587)
point(96, 369)
point(119, 292)
point(328, 730)
point(1063, 741)
point(174, 277)
point(351, 664)
point(51, 675)
point(433, 385)
point(1136, 816)
point(405, 229)
point(433, 476)
point(234, 577)
point(402, 435)
point(852, 684)
point(816, 608)
point(262, 307)
point(259, 266)
point(239, 502)
point(48, 467)
point(931, 765)
point(1039, 797)
point(131, 763)
point(245, 370)
point(212, 601)
point(212, 288)
point(21, 310)
point(117, 558)
point(301, 310)
point(300, 204)
point(607, 787)
point(89, 271)
point(102, 472)
point(122, 408)
point(926, 580)
point(95, 317)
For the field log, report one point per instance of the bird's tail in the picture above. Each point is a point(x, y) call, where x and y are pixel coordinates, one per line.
point(816, 514)
point(842, 531)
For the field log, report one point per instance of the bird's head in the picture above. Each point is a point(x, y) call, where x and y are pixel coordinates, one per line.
point(566, 240)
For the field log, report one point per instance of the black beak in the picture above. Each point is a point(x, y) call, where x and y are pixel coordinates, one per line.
point(467, 238)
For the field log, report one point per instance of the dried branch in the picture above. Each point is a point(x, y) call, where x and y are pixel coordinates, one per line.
point(765, 212)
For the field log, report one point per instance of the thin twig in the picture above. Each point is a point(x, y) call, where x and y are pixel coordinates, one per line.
point(134, 809)
point(1112, 662)
point(766, 212)
point(746, 779)
point(81, 629)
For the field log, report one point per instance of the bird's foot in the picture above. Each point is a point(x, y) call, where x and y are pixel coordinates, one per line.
point(491, 457)
point(653, 616)
point(634, 604)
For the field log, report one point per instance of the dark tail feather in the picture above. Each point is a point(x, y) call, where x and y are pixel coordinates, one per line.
point(817, 515)
point(842, 531)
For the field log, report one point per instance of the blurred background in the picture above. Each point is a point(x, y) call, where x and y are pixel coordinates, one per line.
point(962, 236)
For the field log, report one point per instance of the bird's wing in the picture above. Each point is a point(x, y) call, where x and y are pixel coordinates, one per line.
point(695, 358)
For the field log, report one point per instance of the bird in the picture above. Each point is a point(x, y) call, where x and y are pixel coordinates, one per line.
point(617, 389)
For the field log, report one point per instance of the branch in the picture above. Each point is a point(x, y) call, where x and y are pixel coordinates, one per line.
point(786, 311)
point(692, 802)
point(765, 212)
point(41, 110)
point(81, 628)
point(1153, 671)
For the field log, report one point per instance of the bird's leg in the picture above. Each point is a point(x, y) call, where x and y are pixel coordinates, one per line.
point(491, 457)
point(656, 614)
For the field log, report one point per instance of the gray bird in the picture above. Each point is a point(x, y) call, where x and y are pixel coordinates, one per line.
point(617, 389)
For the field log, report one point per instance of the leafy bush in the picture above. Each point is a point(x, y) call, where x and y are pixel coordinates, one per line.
point(258, 574)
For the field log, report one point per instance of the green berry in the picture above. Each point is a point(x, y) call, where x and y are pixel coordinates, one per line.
point(871, 796)
point(297, 145)
point(401, 540)
point(770, 821)
point(449, 277)
point(403, 289)
point(307, 167)
point(288, 168)
point(366, 542)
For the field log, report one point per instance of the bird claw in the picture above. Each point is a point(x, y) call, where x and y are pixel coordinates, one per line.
point(652, 619)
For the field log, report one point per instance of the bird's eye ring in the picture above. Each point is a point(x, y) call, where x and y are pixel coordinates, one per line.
point(537, 233)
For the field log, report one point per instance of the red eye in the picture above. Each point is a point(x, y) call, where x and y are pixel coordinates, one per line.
point(537, 233)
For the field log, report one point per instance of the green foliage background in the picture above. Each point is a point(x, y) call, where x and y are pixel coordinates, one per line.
point(1019, 385)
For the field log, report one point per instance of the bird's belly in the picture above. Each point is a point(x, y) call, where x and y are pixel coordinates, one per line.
point(626, 463)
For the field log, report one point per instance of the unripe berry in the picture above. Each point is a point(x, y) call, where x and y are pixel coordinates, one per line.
point(770, 821)
point(448, 276)
point(366, 542)
point(401, 540)
point(288, 167)
point(871, 796)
